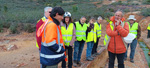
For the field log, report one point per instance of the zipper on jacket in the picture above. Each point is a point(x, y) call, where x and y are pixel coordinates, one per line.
point(114, 45)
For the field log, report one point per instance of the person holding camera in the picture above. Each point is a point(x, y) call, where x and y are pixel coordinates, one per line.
point(91, 39)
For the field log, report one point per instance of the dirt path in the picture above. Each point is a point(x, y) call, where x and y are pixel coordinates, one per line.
point(26, 56)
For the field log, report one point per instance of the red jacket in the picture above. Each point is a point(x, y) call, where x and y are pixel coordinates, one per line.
point(39, 39)
point(116, 44)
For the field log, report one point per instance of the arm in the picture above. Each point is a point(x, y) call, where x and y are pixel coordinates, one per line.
point(139, 32)
point(123, 31)
point(50, 38)
point(110, 32)
point(74, 36)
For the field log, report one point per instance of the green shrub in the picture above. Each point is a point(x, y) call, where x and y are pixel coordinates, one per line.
point(145, 12)
point(13, 28)
point(29, 27)
point(75, 8)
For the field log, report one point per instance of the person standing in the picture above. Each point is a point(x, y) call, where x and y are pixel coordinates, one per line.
point(68, 35)
point(81, 28)
point(116, 29)
point(148, 29)
point(52, 46)
point(47, 11)
point(98, 33)
point(136, 30)
point(91, 39)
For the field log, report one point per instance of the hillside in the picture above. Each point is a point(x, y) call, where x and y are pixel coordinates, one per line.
point(18, 19)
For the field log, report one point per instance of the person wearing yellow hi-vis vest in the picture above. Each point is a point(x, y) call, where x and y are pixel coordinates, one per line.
point(81, 28)
point(47, 11)
point(116, 30)
point(148, 29)
point(91, 38)
point(68, 35)
point(136, 30)
point(98, 34)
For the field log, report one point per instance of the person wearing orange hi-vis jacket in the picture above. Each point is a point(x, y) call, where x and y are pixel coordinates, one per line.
point(52, 46)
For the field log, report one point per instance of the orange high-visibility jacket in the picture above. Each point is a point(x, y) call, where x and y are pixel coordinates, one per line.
point(52, 47)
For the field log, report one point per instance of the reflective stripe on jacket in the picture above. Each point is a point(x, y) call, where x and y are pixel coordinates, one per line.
point(81, 31)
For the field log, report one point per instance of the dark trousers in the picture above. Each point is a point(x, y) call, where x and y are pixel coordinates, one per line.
point(69, 58)
point(148, 34)
point(120, 58)
point(94, 49)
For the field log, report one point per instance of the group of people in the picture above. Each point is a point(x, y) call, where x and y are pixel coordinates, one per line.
point(58, 36)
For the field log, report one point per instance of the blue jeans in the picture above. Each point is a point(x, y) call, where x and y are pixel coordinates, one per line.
point(89, 48)
point(133, 47)
point(120, 58)
point(78, 48)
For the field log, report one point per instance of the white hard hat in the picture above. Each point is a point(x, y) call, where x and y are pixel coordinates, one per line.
point(131, 17)
point(129, 38)
point(67, 14)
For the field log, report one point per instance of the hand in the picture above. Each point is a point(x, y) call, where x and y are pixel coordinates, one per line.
point(117, 22)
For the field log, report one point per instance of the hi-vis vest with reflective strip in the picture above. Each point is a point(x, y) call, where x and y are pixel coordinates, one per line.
point(47, 55)
point(134, 28)
point(81, 31)
point(107, 38)
point(67, 34)
point(148, 28)
point(92, 35)
point(98, 28)
point(43, 19)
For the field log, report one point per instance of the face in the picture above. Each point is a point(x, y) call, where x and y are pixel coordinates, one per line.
point(82, 20)
point(47, 13)
point(131, 21)
point(99, 20)
point(59, 17)
point(67, 19)
point(92, 21)
point(118, 15)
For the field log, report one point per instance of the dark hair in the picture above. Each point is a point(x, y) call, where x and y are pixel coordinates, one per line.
point(58, 10)
point(70, 20)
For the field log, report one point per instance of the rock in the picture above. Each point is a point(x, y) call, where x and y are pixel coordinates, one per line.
point(11, 47)
point(21, 65)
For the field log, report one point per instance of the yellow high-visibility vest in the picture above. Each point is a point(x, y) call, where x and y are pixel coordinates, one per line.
point(133, 29)
point(148, 28)
point(67, 34)
point(98, 28)
point(81, 31)
point(92, 34)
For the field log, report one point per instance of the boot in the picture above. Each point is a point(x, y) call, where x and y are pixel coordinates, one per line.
point(75, 63)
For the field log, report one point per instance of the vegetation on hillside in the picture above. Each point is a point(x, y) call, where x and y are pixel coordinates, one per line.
point(13, 12)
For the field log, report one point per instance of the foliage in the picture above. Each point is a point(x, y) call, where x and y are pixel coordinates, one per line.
point(13, 28)
point(145, 12)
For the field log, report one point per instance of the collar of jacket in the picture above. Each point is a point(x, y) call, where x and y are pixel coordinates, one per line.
point(56, 21)
point(80, 23)
point(113, 19)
